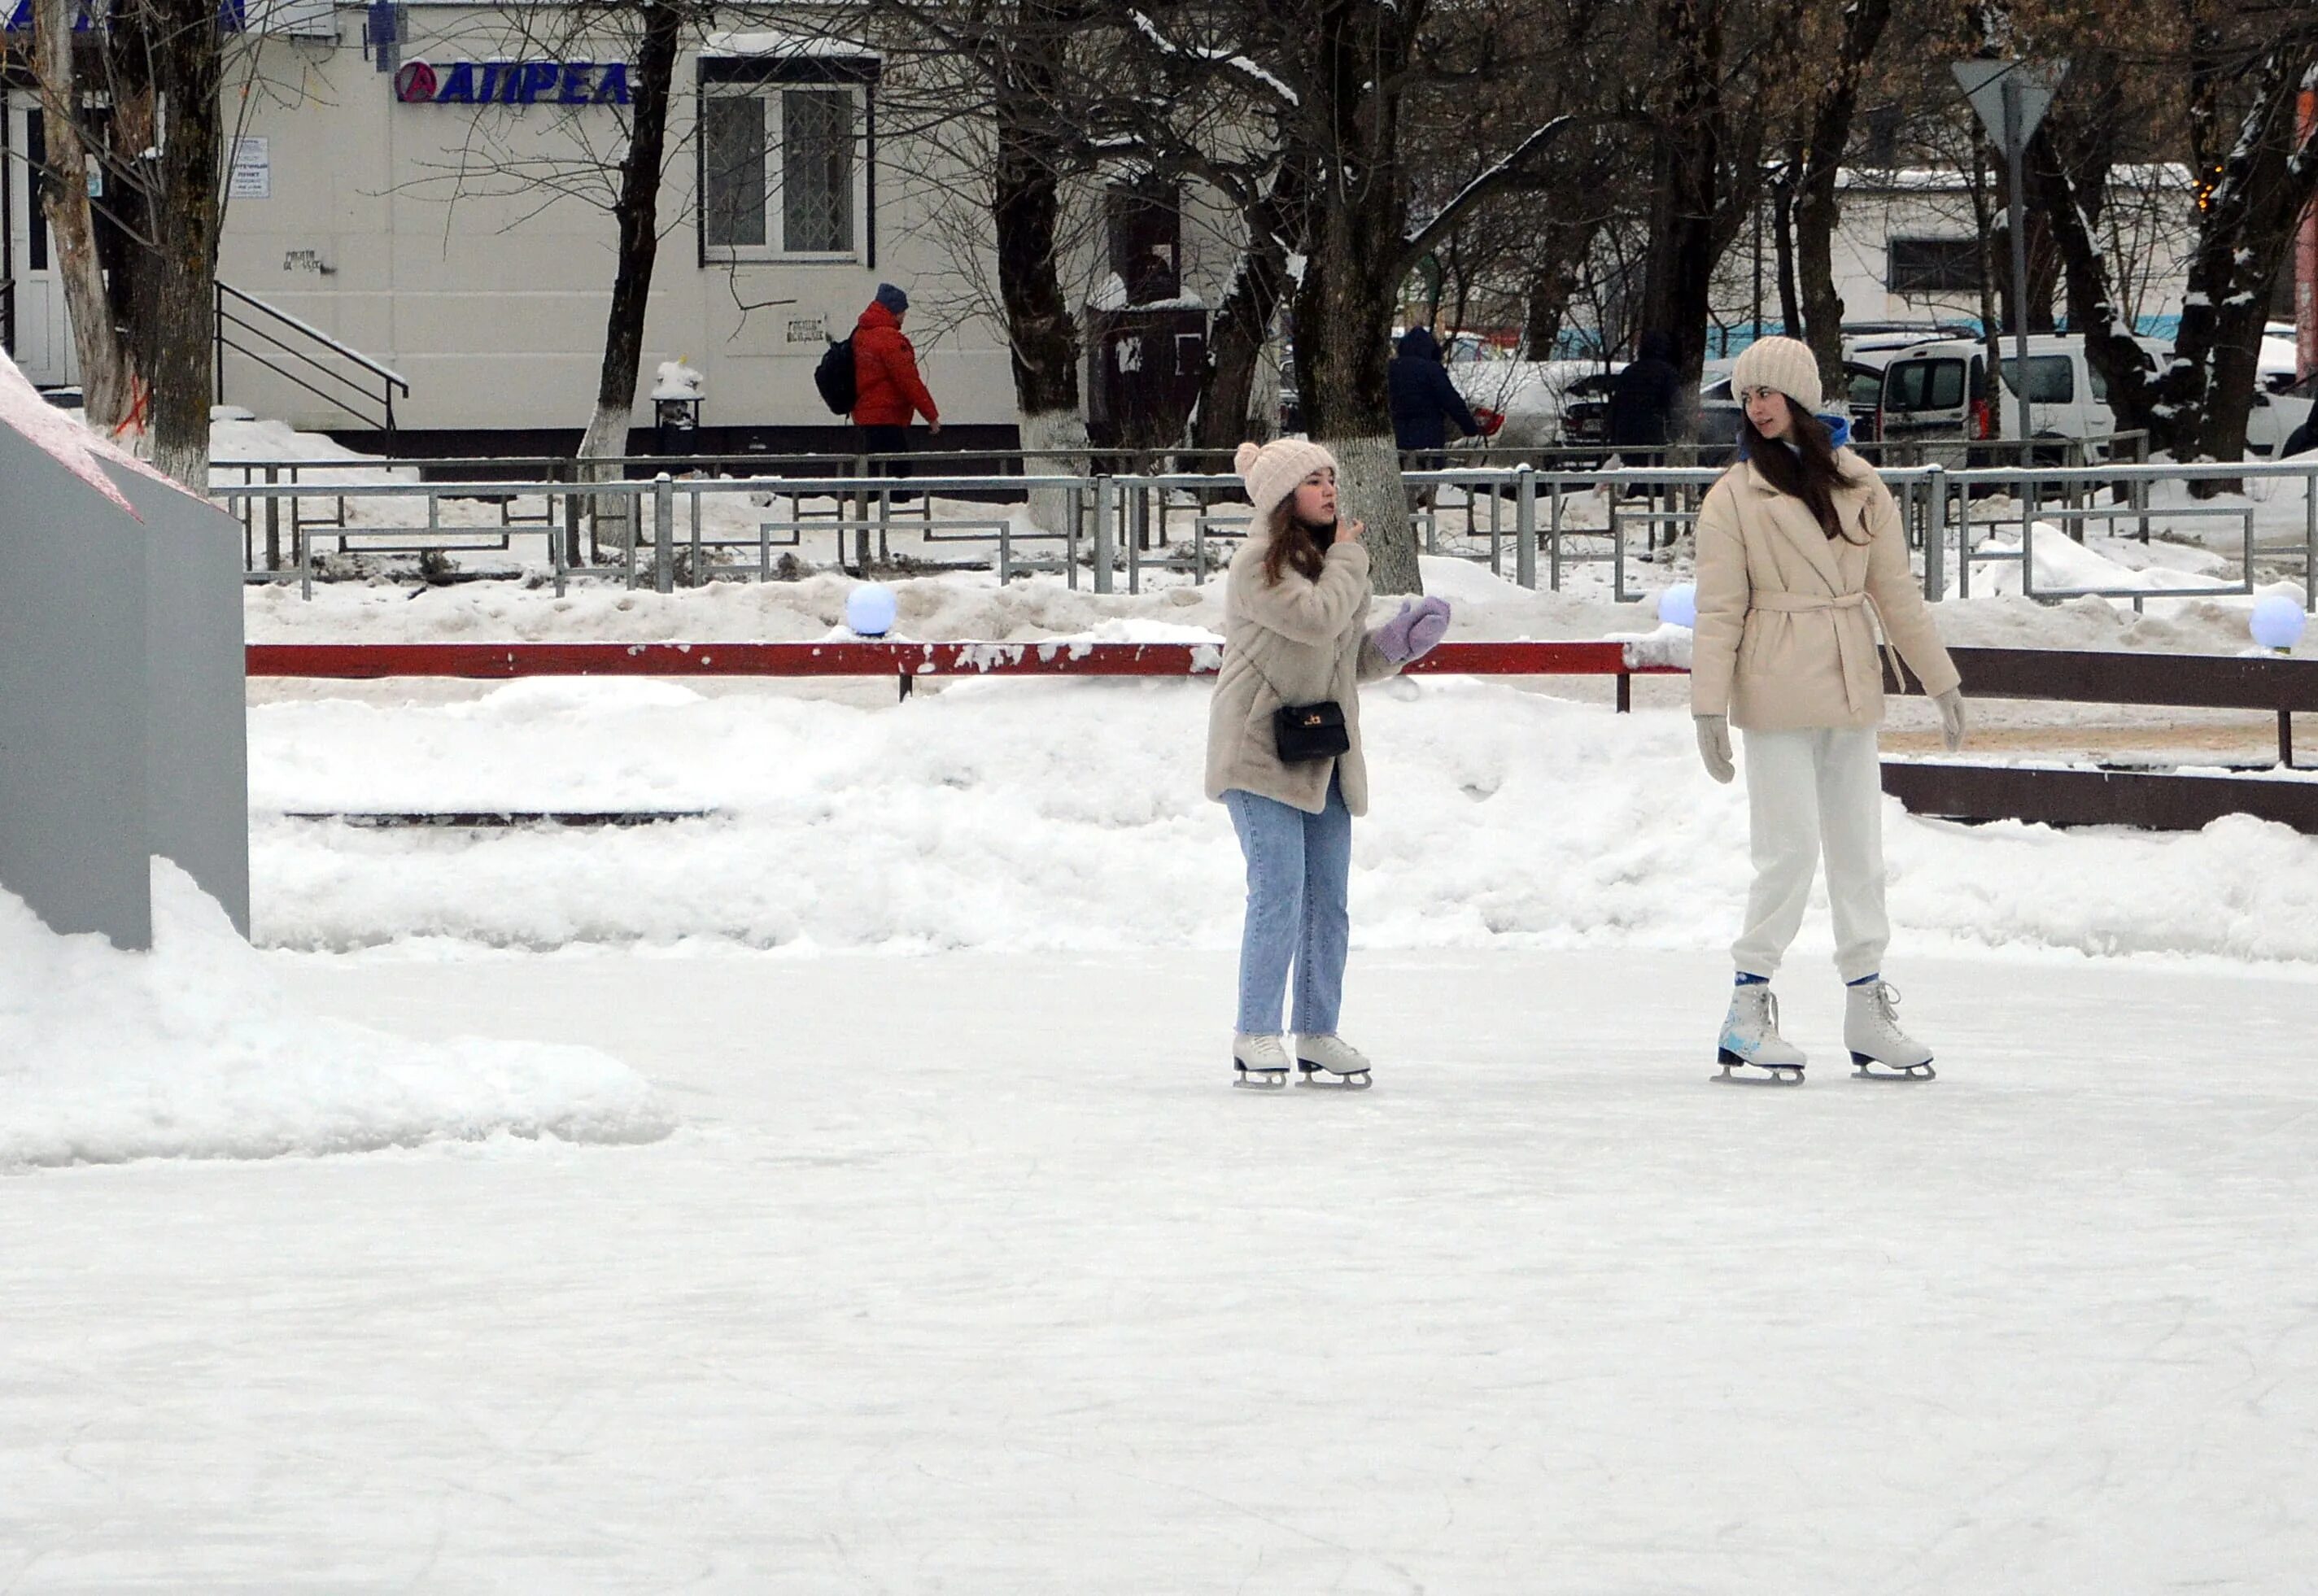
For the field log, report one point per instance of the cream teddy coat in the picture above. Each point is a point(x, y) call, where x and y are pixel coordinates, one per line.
point(1783, 641)
point(1295, 641)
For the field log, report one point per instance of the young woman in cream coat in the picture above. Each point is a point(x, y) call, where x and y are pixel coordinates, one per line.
point(1296, 632)
point(1800, 554)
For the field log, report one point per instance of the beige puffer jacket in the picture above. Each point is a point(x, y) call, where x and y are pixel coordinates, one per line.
point(1295, 641)
point(1784, 641)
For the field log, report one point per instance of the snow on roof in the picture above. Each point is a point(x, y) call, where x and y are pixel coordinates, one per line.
point(63, 438)
point(763, 45)
point(1952, 180)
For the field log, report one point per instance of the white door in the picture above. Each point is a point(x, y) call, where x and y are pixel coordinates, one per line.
point(44, 346)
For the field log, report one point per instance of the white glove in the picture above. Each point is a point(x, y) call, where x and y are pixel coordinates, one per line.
point(1951, 708)
point(1714, 746)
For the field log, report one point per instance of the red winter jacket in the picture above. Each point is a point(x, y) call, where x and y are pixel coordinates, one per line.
point(887, 388)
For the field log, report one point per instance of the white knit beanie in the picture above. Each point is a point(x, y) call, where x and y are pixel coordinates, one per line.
point(1786, 365)
point(1271, 472)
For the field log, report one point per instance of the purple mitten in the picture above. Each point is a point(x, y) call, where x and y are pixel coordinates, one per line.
point(1412, 634)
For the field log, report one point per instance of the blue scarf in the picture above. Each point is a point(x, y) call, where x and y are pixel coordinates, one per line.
point(1838, 433)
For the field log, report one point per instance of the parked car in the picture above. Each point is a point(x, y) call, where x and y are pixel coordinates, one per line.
point(1586, 411)
point(2278, 418)
point(1937, 394)
point(2304, 438)
point(1536, 398)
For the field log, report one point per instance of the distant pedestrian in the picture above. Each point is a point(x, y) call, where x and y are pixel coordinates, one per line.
point(1424, 400)
point(888, 390)
point(1643, 398)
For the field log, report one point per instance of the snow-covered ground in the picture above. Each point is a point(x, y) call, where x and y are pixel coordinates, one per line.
point(197, 1050)
point(838, 1189)
point(969, 1273)
point(1027, 814)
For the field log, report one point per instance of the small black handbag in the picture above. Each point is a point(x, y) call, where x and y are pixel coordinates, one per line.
point(1304, 732)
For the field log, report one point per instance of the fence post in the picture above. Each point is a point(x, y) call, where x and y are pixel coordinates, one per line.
point(272, 521)
point(1553, 551)
point(1525, 525)
point(569, 550)
point(1137, 529)
point(664, 533)
point(1105, 534)
point(1936, 534)
point(2310, 539)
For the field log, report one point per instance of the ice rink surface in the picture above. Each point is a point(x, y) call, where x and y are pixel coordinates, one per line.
point(969, 1273)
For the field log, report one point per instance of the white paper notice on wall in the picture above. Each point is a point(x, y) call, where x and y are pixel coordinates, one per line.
point(253, 170)
point(808, 329)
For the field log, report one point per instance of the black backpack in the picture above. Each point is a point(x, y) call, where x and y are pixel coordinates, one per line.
point(834, 377)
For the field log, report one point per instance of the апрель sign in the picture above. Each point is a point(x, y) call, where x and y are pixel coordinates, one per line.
point(512, 83)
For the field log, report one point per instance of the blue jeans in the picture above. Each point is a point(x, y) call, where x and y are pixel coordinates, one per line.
point(1300, 867)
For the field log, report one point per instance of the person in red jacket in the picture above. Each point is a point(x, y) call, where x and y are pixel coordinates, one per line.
point(887, 388)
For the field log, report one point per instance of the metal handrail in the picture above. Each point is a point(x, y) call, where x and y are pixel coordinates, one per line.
point(1113, 514)
point(276, 344)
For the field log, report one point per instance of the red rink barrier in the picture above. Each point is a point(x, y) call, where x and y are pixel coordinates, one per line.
point(504, 661)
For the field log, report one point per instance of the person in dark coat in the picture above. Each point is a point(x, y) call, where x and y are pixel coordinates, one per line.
point(1423, 400)
point(1642, 400)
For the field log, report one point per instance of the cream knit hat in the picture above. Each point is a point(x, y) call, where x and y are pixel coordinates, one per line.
point(1271, 472)
point(1786, 365)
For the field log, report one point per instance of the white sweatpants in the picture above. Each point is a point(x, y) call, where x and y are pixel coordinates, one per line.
point(1809, 792)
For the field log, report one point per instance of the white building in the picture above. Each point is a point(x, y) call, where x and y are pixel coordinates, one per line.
point(439, 203)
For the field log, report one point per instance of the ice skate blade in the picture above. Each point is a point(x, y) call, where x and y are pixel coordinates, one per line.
point(1773, 1074)
point(1258, 1080)
point(1863, 1068)
point(1321, 1080)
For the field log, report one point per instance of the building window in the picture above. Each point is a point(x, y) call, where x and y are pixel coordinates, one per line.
point(1934, 265)
point(782, 172)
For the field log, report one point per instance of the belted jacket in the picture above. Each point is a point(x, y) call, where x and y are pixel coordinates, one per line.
point(1787, 634)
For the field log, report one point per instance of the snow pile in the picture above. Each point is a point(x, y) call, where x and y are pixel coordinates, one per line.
point(676, 380)
point(1068, 816)
point(194, 1051)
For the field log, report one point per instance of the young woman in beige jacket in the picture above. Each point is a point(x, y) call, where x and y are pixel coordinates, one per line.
point(1800, 553)
point(1296, 634)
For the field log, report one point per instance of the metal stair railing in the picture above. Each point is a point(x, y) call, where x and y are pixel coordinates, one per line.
point(270, 331)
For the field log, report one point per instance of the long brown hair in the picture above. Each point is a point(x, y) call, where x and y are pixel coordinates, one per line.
point(1809, 472)
point(1294, 543)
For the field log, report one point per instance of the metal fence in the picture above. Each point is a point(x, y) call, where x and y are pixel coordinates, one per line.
point(1524, 523)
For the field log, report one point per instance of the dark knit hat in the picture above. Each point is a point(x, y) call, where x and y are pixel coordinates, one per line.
point(892, 298)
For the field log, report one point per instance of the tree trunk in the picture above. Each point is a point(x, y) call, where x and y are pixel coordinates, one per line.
point(107, 381)
point(1355, 263)
point(181, 67)
point(1678, 292)
point(1828, 133)
point(1026, 206)
point(636, 212)
point(1552, 284)
point(2269, 179)
point(1235, 346)
point(1239, 369)
point(1782, 255)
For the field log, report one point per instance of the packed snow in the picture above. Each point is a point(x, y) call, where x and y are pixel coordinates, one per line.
point(1018, 815)
point(198, 1049)
point(970, 1273)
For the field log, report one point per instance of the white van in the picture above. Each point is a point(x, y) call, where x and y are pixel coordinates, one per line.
point(1937, 394)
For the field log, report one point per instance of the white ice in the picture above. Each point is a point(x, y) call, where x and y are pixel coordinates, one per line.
point(970, 1273)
